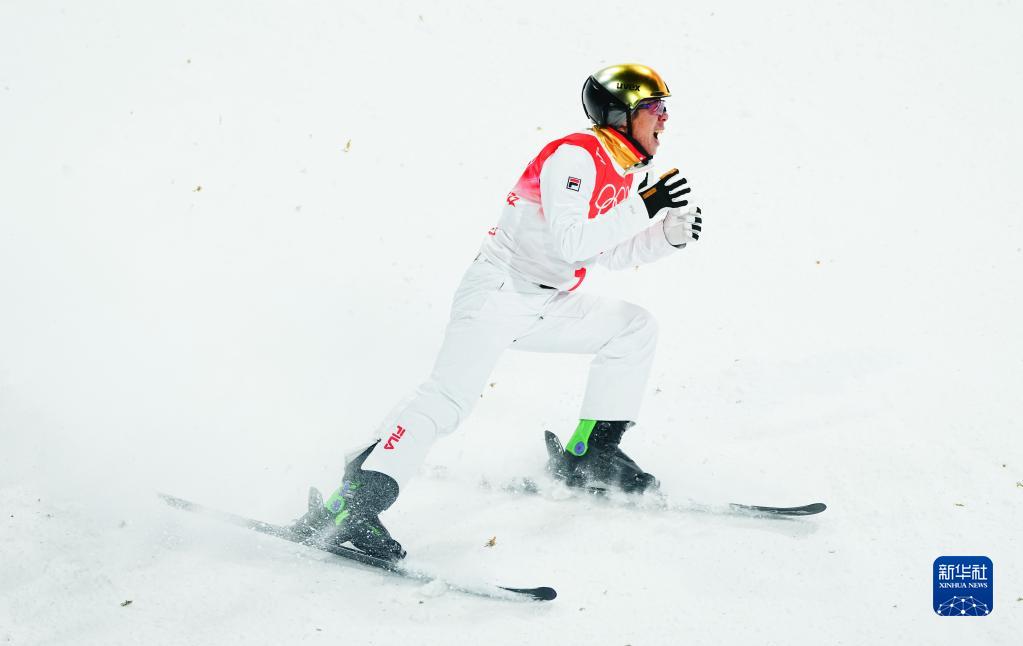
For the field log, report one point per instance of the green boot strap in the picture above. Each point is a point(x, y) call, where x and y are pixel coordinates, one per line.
point(579, 443)
point(337, 505)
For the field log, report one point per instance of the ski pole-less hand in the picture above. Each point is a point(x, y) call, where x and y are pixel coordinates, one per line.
point(682, 226)
point(668, 192)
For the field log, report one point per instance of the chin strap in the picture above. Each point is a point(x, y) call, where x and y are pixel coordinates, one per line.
point(626, 151)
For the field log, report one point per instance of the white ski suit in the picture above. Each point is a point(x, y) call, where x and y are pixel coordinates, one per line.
point(572, 208)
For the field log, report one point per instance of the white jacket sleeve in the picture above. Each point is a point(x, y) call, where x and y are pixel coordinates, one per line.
point(645, 247)
point(576, 237)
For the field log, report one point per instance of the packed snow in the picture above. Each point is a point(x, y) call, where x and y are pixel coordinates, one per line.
point(230, 232)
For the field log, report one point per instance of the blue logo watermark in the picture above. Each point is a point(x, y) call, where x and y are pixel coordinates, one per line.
point(964, 586)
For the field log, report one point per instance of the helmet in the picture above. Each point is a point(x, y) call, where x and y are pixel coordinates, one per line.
point(611, 94)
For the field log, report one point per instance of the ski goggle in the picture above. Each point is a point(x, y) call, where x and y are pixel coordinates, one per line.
point(657, 106)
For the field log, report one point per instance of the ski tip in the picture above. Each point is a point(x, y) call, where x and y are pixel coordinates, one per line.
point(813, 508)
point(537, 594)
point(804, 510)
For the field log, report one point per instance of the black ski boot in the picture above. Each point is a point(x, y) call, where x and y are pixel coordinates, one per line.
point(594, 461)
point(351, 513)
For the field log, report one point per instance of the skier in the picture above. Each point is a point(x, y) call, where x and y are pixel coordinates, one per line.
point(572, 208)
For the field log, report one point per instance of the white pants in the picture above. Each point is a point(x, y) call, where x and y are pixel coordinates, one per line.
point(492, 312)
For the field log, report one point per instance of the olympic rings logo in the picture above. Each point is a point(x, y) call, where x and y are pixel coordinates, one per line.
point(608, 198)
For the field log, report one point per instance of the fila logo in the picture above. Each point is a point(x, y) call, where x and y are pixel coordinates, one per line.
point(573, 184)
point(394, 439)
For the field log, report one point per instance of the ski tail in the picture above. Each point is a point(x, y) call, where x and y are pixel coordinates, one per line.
point(315, 499)
point(556, 465)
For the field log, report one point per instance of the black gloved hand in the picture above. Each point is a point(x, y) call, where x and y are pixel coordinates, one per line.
point(666, 193)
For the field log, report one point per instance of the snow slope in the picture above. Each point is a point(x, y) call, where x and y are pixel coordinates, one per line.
point(229, 233)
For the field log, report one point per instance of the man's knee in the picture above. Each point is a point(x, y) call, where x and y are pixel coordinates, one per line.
point(647, 323)
point(641, 323)
point(637, 332)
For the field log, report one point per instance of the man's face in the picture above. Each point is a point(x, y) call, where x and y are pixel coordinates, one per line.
point(648, 123)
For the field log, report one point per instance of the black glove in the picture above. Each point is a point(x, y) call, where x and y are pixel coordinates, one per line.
point(666, 193)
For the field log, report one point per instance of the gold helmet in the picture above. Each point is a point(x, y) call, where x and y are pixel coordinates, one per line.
point(611, 94)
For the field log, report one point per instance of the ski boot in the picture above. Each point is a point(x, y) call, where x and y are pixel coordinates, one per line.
point(351, 513)
point(594, 461)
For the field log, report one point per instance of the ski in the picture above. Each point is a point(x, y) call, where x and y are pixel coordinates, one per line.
point(351, 554)
point(653, 500)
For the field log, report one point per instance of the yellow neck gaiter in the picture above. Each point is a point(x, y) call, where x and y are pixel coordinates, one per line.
point(621, 149)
